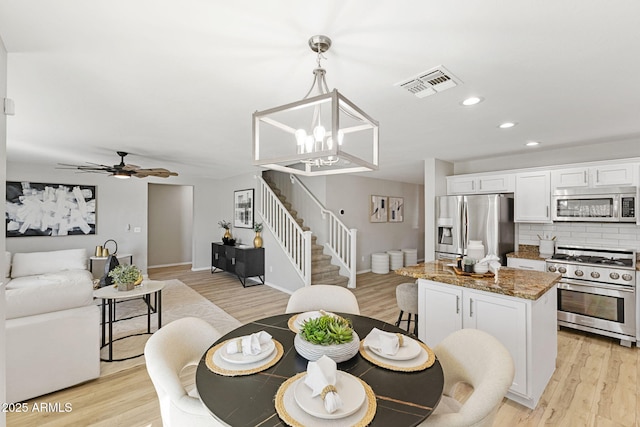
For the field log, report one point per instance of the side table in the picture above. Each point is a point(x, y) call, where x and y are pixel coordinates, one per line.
point(93, 259)
point(110, 295)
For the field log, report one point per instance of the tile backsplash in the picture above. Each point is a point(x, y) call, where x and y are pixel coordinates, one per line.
point(606, 235)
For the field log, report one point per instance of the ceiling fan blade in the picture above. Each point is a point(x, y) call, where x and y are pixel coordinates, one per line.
point(130, 168)
point(157, 172)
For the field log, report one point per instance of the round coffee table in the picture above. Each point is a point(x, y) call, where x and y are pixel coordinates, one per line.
point(110, 295)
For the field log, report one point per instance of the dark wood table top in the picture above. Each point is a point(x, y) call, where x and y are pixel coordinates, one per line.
point(403, 398)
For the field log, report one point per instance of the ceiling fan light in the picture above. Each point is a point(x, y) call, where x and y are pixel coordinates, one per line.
point(121, 175)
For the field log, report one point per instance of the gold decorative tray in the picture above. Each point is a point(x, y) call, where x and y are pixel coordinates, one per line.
point(464, 273)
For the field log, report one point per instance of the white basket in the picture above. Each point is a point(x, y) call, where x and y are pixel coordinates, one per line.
point(337, 352)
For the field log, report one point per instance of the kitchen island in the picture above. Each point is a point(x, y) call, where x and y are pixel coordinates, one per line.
point(518, 307)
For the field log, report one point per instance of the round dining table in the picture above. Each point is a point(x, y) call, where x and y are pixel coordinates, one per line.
point(402, 398)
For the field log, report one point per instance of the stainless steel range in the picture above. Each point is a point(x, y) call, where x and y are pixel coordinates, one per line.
point(597, 292)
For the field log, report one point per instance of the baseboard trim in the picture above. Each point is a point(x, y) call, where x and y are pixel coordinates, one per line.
point(200, 268)
point(169, 265)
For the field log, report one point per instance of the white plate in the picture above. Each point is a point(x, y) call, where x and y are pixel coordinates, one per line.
point(241, 359)
point(410, 350)
point(349, 388)
point(303, 317)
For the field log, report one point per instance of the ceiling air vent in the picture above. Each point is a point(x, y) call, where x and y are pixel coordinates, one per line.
point(430, 82)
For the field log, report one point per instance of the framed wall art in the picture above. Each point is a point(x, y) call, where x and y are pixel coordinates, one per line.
point(243, 208)
point(378, 209)
point(40, 209)
point(396, 209)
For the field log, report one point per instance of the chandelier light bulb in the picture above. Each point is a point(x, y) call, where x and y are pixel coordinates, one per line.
point(309, 143)
point(340, 137)
point(319, 132)
point(329, 143)
point(301, 136)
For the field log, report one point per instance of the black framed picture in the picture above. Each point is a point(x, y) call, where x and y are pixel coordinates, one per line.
point(41, 209)
point(243, 208)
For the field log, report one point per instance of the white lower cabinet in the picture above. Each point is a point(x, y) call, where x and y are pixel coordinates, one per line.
point(526, 328)
point(527, 264)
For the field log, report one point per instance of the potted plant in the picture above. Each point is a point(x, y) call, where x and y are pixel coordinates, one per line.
point(257, 241)
point(126, 277)
point(227, 239)
point(328, 335)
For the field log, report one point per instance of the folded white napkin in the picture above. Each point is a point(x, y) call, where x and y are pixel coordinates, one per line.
point(385, 342)
point(249, 345)
point(321, 379)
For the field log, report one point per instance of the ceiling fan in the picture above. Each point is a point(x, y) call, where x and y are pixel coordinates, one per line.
point(121, 170)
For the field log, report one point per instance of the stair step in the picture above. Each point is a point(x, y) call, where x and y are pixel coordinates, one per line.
point(326, 268)
point(320, 257)
point(337, 281)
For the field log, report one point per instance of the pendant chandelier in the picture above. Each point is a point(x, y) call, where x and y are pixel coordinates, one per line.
point(322, 134)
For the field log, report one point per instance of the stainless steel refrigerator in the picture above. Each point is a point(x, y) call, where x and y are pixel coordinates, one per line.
point(486, 217)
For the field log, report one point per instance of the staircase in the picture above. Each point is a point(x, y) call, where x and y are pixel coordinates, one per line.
point(322, 271)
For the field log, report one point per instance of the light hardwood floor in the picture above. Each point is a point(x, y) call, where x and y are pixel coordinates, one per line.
point(596, 383)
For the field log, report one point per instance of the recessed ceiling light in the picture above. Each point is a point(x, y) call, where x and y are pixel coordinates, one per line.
point(532, 143)
point(472, 101)
point(507, 125)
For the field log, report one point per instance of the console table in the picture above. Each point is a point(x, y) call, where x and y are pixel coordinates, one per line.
point(243, 261)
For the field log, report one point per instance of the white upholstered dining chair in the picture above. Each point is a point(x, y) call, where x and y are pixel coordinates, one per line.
point(478, 359)
point(175, 346)
point(323, 297)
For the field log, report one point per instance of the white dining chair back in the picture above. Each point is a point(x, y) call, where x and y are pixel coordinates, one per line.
point(478, 359)
point(175, 346)
point(323, 297)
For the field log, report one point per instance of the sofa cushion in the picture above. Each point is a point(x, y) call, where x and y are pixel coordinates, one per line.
point(48, 293)
point(33, 263)
point(7, 265)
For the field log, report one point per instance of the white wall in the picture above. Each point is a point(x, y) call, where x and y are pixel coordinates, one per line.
point(170, 220)
point(3, 161)
point(612, 148)
point(435, 184)
point(121, 203)
point(352, 193)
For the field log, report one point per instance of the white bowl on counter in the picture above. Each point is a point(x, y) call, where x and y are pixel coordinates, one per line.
point(480, 268)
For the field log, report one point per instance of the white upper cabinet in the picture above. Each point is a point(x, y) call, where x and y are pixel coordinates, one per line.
point(532, 197)
point(615, 175)
point(478, 184)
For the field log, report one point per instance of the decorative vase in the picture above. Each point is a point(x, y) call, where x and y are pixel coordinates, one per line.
point(337, 352)
point(125, 286)
point(257, 241)
point(227, 234)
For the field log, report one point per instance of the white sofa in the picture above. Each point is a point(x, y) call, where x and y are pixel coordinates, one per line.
point(52, 324)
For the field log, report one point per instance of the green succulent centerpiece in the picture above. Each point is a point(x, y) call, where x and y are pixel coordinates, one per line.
point(326, 330)
point(126, 276)
point(329, 335)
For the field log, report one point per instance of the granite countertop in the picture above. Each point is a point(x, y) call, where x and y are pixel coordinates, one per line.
point(528, 252)
point(531, 252)
point(512, 282)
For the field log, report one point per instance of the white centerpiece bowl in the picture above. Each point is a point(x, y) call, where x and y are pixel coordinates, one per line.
point(337, 352)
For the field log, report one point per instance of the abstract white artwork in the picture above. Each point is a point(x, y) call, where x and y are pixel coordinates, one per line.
point(36, 209)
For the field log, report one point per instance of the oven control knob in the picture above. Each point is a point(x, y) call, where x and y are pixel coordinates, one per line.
point(552, 268)
point(579, 273)
point(614, 276)
point(627, 277)
point(562, 270)
point(595, 274)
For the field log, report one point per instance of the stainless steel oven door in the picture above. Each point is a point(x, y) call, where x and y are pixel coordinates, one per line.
point(601, 308)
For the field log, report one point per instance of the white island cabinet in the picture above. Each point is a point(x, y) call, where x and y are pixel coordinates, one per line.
point(527, 328)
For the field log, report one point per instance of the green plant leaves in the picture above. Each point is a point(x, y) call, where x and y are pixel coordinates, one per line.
point(327, 330)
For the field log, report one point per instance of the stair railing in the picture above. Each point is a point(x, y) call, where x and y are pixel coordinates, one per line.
point(294, 241)
point(340, 240)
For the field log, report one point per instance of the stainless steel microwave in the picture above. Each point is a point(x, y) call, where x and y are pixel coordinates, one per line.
point(616, 204)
